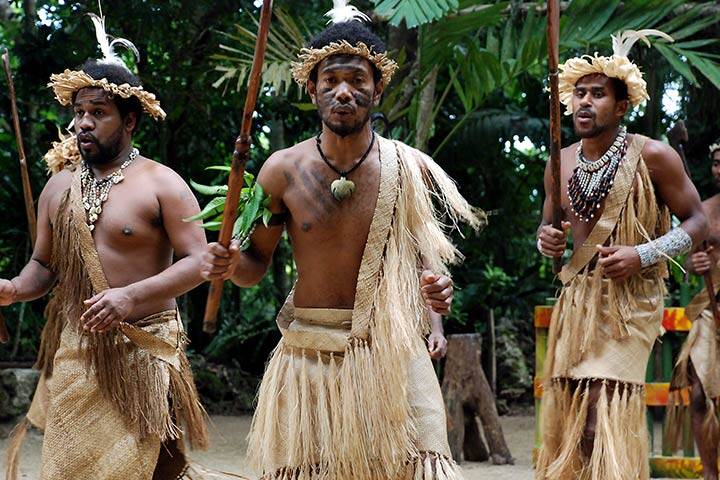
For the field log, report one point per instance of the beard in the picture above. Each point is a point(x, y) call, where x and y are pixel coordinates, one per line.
point(595, 130)
point(343, 129)
point(106, 152)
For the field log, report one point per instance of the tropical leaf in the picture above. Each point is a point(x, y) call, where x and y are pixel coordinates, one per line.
point(414, 12)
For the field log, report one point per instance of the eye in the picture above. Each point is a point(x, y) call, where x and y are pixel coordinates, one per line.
point(579, 93)
point(99, 113)
point(330, 80)
point(598, 94)
point(78, 113)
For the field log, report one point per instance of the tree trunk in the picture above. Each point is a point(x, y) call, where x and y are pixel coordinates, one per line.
point(468, 396)
point(424, 120)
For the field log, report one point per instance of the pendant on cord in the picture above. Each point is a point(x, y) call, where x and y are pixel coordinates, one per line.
point(342, 188)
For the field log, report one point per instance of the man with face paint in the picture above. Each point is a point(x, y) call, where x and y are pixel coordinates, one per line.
point(697, 364)
point(116, 397)
point(617, 192)
point(350, 391)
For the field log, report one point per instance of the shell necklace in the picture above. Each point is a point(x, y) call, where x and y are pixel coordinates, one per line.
point(343, 188)
point(591, 181)
point(95, 192)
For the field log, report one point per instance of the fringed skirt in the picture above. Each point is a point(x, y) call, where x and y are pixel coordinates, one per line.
point(322, 413)
point(613, 357)
point(86, 436)
point(702, 349)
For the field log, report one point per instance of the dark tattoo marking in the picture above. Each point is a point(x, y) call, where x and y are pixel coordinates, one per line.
point(127, 230)
point(306, 227)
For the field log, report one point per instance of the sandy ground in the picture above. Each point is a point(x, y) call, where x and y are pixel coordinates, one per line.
point(228, 447)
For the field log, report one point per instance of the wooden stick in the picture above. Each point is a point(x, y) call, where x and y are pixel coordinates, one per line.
point(24, 175)
point(553, 41)
point(239, 161)
point(4, 334)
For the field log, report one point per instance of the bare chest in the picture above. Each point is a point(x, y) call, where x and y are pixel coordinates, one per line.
point(316, 216)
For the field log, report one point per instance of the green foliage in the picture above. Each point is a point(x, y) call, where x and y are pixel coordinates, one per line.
point(414, 12)
point(252, 207)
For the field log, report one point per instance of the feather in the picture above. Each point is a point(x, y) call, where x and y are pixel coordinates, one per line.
point(623, 41)
point(107, 43)
point(342, 11)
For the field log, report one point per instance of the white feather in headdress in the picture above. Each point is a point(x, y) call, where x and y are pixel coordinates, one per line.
point(623, 41)
point(342, 11)
point(107, 43)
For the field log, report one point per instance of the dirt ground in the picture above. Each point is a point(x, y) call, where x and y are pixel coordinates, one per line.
point(228, 447)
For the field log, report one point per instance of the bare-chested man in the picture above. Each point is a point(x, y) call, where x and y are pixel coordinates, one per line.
point(109, 229)
point(617, 189)
point(697, 364)
point(350, 392)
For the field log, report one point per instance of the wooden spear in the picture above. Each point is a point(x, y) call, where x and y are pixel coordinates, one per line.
point(678, 137)
point(24, 175)
point(239, 161)
point(553, 40)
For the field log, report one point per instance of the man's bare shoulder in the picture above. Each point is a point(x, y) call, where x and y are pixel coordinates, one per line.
point(160, 174)
point(280, 161)
point(58, 183)
point(655, 152)
point(569, 150)
point(712, 204)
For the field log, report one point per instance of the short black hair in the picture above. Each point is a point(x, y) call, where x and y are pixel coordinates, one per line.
point(620, 88)
point(117, 74)
point(352, 32)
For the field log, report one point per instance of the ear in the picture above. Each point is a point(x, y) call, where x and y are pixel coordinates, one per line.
point(130, 121)
point(379, 89)
point(622, 107)
point(312, 91)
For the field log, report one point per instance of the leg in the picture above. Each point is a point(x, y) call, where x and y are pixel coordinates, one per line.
point(707, 447)
point(588, 437)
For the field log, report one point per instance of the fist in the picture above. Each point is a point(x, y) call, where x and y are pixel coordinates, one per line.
point(437, 290)
point(437, 345)
point(7, 292)
point(551, 241)
point(218, 262)
point(700, 262)
point(618, 262)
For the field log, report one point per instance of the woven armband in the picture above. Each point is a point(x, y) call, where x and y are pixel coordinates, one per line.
point(675, 242)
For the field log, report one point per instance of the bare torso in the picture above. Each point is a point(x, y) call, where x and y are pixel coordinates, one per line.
point(711, 206)
point(129, 235)
point(328, 236)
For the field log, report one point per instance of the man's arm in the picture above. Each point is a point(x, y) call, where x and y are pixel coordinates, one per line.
point(677, 191)
point(551, 242)
point(112, 306)
point(36, 278)
point(247, 268)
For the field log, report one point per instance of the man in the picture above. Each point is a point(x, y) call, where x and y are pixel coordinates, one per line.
point(697, 364)
point(350, 392)
point(116, 396)
point(616, 190)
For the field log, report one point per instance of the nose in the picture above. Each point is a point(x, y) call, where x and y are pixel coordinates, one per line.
point(85, 123)
point(586, 100)
point(343, 94)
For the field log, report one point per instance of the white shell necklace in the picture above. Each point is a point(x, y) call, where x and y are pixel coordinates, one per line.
point(95, 191)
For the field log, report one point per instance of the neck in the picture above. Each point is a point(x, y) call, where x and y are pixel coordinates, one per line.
point(345, 151)
point(107, 168)
point(595, 147)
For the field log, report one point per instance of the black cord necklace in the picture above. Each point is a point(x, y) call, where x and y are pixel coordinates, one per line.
point(343, 188)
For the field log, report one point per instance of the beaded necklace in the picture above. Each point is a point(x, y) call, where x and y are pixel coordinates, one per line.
point(591, 181)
